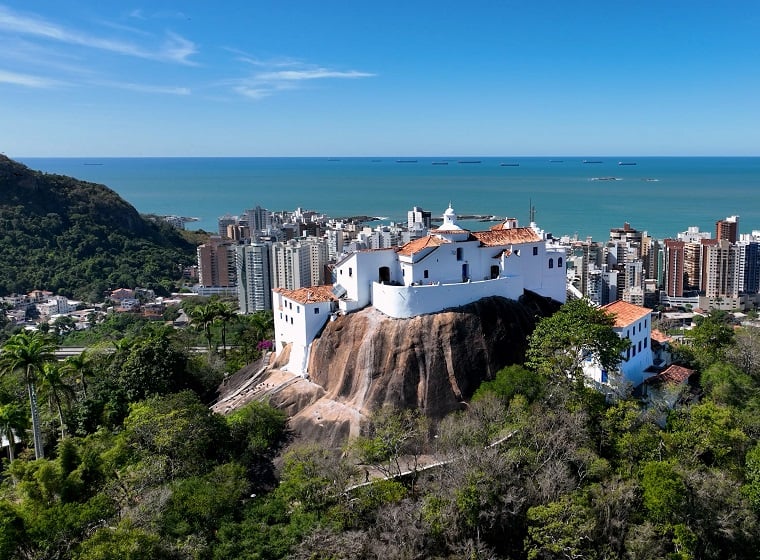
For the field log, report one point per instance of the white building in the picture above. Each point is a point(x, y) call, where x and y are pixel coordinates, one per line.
point(254, 277)
point(448, 268)
point(298, 263)
point(634, 323)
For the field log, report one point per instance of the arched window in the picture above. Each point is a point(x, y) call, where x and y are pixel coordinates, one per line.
point(551, 263)
point(559, 262)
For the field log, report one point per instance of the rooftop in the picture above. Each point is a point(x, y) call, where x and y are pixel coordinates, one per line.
point(507, 236)
point(312, 294)
point(673, 374)
point(417, 245)
point(625, 313)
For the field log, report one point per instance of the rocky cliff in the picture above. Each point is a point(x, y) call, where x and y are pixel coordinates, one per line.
point(434, 362)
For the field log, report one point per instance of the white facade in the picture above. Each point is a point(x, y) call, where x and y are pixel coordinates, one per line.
point(299, 316)
point(299, 263)
point(634, 323)
point(448, 268)
point(254, 277)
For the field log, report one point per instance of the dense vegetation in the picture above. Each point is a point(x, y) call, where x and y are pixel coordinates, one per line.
point(80, 239)
point(538, 466)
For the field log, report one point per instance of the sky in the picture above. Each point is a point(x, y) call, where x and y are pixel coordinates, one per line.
point(355, 78)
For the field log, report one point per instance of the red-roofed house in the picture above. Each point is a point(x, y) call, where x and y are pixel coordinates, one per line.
point(633, 323)
point(299, 315)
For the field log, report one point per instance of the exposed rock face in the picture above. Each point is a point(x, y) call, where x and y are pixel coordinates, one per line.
point(434, 362)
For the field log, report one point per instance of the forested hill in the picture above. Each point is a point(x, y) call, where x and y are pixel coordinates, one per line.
point(78, 238)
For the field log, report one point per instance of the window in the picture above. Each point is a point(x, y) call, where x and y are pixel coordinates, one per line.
point(604, 376)
point(350, 271)
point(559, 262)
point(551, 263)
point(425, 274)
point(633, 353)
point(316, 311)
point(535, 251)
point(639, 346)
point(460, 253)
point(298, 309)
point(645, 342)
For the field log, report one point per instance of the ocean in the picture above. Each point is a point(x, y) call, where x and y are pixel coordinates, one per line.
point(571, 195)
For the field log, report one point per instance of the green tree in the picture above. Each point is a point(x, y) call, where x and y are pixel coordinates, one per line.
point(13, 420)
point(177, 432)
point(510, 381)
point(79, 366)
point(711, 337)
point(27, 353)
point(561, 343)
point(664, 491)
point(204, 316)
point(224, 315)
point(53, 383)
point(393, 434)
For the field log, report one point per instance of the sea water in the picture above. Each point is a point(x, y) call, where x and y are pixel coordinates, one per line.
point(570, 195)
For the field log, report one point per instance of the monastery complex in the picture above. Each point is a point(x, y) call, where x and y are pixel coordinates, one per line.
point(447, 268)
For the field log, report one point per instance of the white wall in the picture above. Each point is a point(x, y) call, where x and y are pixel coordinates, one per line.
point(409, 301)
point(298, 324)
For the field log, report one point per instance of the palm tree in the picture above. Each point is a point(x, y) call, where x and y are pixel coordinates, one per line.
point(79, 367)
point(52, 383)
point(204, 316)
point(13, 419)
point(225, 314)
point(27, 352)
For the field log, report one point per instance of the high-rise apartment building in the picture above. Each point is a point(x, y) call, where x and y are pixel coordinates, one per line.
point(259, 221)
point(419, 216)
point(727, 229)
point(749, 263)
point(674, 267)
point(216, 263)
point(223, 222)
point(298, 263)
point(720, 269)
point(253, 264)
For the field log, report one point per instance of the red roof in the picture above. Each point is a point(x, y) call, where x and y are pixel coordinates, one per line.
point(673, 374)
point(625, 313)
point(511, 236)
point(312, 294)
point(659, 336)
point(417, 245)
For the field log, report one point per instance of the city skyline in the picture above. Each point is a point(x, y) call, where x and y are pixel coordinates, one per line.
point(337, 78)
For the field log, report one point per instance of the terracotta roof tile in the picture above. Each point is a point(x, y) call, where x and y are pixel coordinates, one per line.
point(673, 374)
point(417, 245)
point(507, 236)
point(625, 313)
point(312, 294)
point(660, 336)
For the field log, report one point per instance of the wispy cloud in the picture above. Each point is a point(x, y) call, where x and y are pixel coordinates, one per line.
point(315, 74)
point(26, 80)
point(175, 48)
point(145, 88)
point(282, 74)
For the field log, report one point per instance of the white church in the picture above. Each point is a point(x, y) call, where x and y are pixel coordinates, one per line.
point(448, 268)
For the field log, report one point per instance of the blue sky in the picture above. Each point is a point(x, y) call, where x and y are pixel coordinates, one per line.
point(328, 78)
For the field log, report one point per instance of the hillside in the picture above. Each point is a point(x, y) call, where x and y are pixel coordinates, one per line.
point(365, 360)
point(78, 238)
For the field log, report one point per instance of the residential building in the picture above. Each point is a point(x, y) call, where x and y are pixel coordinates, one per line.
point(633, 323)
point(216, 263)
point(419, 218)
point(727, 229)
point(253, 264)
